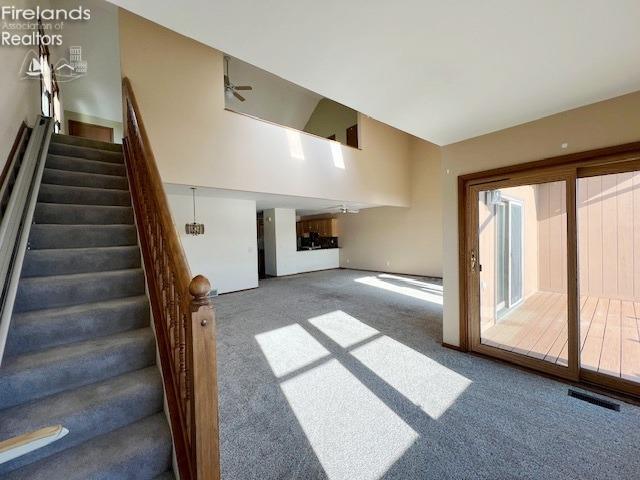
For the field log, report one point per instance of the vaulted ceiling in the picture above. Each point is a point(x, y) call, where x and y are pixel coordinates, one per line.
point(441, 70)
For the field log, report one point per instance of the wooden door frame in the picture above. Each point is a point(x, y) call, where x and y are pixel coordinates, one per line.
point(609, 160)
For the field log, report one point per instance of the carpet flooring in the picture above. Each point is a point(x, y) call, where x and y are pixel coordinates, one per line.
point(340, 374)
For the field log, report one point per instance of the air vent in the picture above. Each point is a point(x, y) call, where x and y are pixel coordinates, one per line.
point(595, 400)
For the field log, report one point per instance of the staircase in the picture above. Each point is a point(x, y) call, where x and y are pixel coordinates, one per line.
point(80, 350)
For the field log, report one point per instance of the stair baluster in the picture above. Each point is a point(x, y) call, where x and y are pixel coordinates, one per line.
point(183, 312)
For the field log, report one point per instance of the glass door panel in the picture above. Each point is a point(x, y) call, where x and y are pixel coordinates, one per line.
point(522, 254)
point(608, 218)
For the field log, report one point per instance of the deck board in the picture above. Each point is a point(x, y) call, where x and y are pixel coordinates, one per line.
point(592, 348)
point(610, 353)
point(630, 343)
point(609, 333)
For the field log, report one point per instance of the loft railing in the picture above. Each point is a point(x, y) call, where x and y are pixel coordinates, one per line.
point(183, 313)
point(18, 197)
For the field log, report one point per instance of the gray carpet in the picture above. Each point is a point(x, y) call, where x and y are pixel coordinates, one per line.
point(80, 352)
point(340, 374)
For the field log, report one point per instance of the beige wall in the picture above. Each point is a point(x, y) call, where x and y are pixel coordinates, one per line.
point(20, 99)
point(178, 83)
point(329, 118)
point(601, 124)
point(400, 240)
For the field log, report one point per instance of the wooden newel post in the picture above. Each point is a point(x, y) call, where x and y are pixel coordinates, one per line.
point(205, 385)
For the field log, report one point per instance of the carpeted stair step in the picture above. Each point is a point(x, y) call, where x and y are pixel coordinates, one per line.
point(85, 142)
point(66, 261)
point(81, 236)
point(82, 179)
point(86, 412)
point(70, 150)
point(64, 290)
point(83, 195)
point(138, 451)
point(75, 164)
point(80, 351)
point(33, 376)
point(43, 329)
point(61, 213)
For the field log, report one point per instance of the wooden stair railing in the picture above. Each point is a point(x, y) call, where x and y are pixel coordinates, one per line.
point(183, 313)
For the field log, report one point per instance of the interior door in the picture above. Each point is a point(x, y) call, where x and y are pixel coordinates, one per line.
point(521, 272)
point(90, 131)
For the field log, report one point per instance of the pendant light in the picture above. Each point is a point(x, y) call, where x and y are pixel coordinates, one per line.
point(194, 228)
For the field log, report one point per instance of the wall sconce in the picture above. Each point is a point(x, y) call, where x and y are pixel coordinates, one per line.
point(194, 228)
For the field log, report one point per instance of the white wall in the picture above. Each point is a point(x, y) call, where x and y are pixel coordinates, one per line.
point(601, 124)
point(314, 260)
point(400, 240)
point(97, 94)
point(19, 99)
point(281, 255)
point(227, 252)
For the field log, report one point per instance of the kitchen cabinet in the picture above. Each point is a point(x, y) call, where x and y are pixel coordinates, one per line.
point(325, 227)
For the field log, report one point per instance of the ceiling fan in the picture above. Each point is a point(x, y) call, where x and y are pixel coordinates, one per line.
point(230, 88)
point(343, 209)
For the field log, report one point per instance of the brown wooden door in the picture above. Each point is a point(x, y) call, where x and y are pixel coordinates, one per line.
point(352, 136)
point(90, 131)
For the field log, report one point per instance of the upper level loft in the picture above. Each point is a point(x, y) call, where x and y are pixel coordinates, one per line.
point(218, 122)
point(263, 95)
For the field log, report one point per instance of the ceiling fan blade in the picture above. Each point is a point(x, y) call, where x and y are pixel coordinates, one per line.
point(238, 96)
point(244, 87)
point(226, 80)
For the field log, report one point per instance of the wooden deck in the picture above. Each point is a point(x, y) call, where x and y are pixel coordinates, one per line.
point(609, 333)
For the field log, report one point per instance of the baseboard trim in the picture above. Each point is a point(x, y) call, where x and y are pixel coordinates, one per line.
point(391, 273)
point(302, 273)
point(237, 291)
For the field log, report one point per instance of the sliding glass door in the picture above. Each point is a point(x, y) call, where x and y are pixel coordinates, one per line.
point(508, 251)
point(551, 271)
point(608, 226)
point(520, 276)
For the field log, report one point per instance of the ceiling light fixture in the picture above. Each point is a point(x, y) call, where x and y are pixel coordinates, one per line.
point(194, 228)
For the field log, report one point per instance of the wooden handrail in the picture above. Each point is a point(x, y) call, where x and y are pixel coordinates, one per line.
point(183, 314)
